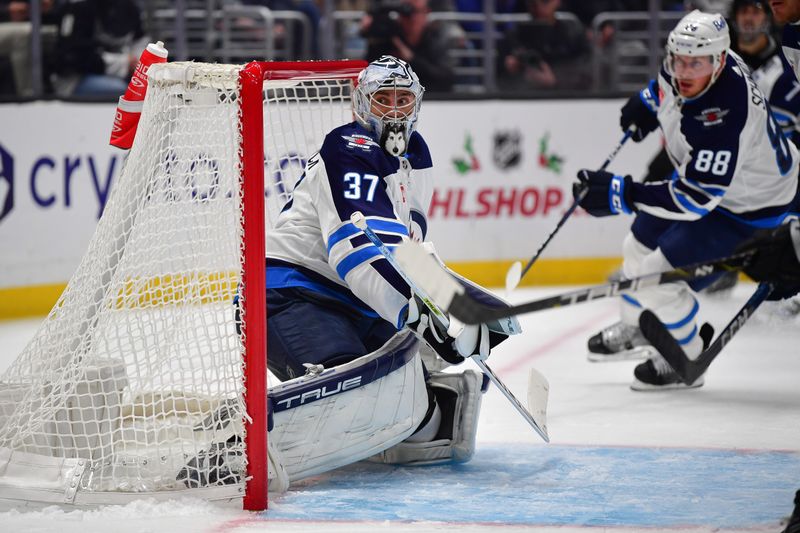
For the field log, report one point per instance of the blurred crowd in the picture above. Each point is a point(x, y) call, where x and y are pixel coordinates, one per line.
point(89, 47)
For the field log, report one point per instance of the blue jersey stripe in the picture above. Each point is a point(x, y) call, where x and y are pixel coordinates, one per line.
point(766, 222)
point(356, 258)
point(687, 339)
point(378, 225)
point(688, 206)
point(344, 232)
point(279, 277)
point(387, 226)
point(713, 191)
point(688, 318)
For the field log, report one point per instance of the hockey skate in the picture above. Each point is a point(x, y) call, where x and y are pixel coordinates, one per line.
point(619, 342)
point(220, 464)
point(656, 374)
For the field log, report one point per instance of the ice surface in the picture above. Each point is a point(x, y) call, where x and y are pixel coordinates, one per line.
point(723, 457)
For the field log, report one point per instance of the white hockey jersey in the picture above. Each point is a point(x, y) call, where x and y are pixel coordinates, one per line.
point(728, 151)
point(315, 246)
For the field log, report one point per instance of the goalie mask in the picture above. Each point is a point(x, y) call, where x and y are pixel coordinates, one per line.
point(386, 102)
point(697, 48)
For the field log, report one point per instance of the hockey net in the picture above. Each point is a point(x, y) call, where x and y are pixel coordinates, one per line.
point(139, 372)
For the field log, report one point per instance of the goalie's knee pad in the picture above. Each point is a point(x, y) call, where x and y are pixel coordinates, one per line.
point(456, 404)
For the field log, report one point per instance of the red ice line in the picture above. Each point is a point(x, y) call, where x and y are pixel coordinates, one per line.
point(590, 324)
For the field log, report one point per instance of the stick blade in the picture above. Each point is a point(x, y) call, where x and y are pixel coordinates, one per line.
point(538, 394)
point(661, 339)
point(513, 276)
point(426, 272)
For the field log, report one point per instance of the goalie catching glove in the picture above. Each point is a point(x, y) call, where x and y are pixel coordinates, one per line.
point(473, 340)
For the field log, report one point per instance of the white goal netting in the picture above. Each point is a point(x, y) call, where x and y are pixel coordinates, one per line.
point(129, 382)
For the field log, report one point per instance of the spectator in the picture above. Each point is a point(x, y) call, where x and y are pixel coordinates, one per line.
point(500, 7)
point(406, 33)
point(545, 53)
point(99, 44)
point(306, 7)
point(15, 40)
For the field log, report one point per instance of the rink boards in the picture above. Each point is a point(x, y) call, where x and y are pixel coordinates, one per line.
point(503, 172)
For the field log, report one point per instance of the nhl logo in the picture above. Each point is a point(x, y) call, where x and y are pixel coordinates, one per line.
point(507, 149)
point(6, 183)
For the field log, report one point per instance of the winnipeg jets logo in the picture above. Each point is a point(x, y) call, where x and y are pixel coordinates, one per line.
point(712, 116)
point(362, 142)
point(399, 73)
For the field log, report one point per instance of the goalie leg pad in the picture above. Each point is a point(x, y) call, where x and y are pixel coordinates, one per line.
point(344, 414)
point(458, 396)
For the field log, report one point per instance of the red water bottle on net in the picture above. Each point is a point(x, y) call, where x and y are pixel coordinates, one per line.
point(126, 120)
point(154, 53)
point(129, 108)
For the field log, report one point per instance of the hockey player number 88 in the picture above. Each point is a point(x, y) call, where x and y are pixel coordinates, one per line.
point(716, 162)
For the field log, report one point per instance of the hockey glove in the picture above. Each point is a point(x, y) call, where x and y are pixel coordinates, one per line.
point(776, 259)
point(605, 193)
point(473, 340)
point(640, 111)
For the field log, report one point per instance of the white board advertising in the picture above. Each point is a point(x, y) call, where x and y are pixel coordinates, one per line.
point(503, 170)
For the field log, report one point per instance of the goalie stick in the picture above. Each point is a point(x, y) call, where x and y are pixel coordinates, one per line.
point(539, 425)
point(451, 296)
point(689, 370)
point(516, 272)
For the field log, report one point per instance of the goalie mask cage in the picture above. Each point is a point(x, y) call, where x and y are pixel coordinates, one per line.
point(139, 382)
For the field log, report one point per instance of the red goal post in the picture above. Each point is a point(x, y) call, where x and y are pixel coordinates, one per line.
point(252, 78)
point(119, 394)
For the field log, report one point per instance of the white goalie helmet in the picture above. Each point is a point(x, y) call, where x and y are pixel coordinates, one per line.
point(698, 34)
point(393, 125)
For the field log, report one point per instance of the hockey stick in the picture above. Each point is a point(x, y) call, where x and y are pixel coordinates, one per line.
point(516, 272)
point(689, 370)
point(539, 426)
point(453, 298)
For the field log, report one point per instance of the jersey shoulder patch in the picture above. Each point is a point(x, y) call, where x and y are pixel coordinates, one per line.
point(725, 104)
point(352, 137)
point(350, 148)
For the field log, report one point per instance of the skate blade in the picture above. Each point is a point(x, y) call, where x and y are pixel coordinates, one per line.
point(634, 354)
point(640, 386)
